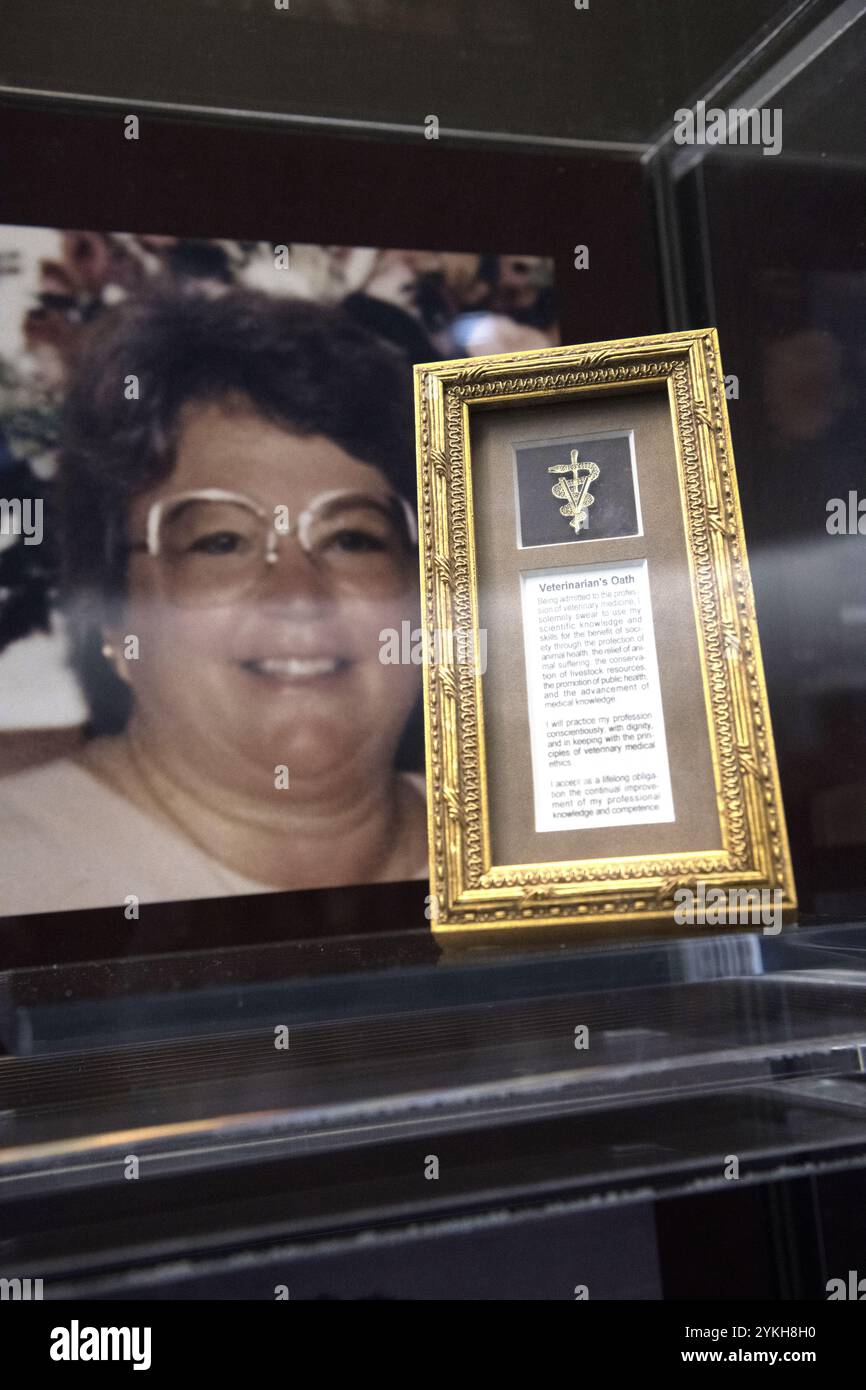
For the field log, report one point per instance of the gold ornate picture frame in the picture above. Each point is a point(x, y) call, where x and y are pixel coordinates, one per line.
point(582, 551)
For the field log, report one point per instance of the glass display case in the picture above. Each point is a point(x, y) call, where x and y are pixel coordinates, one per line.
point(239, 1073)
point(271, 1098)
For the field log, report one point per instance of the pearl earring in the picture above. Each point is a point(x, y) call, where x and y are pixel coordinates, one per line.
point(107, 650)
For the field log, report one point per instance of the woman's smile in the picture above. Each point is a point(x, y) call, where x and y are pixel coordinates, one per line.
point(297, 670)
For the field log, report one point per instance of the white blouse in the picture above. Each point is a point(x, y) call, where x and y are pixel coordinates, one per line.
point(67, 840)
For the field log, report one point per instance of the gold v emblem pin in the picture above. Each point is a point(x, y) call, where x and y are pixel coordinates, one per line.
point(574, 490)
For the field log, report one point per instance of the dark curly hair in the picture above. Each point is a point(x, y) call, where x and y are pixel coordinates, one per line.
point(309, 369)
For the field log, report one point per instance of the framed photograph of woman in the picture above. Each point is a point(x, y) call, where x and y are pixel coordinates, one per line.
point(220, 437)
point(211, 721)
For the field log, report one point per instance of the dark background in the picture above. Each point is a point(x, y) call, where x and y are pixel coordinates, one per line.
point(613, 73)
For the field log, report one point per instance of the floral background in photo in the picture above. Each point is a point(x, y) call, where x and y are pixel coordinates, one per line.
point(53, 284)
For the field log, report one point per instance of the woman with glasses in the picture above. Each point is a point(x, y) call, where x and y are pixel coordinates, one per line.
point(238, 545)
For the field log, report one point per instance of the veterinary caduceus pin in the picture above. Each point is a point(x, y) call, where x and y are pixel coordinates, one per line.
point(574, 490)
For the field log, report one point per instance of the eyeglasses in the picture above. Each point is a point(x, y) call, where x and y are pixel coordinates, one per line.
point(214, 547)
